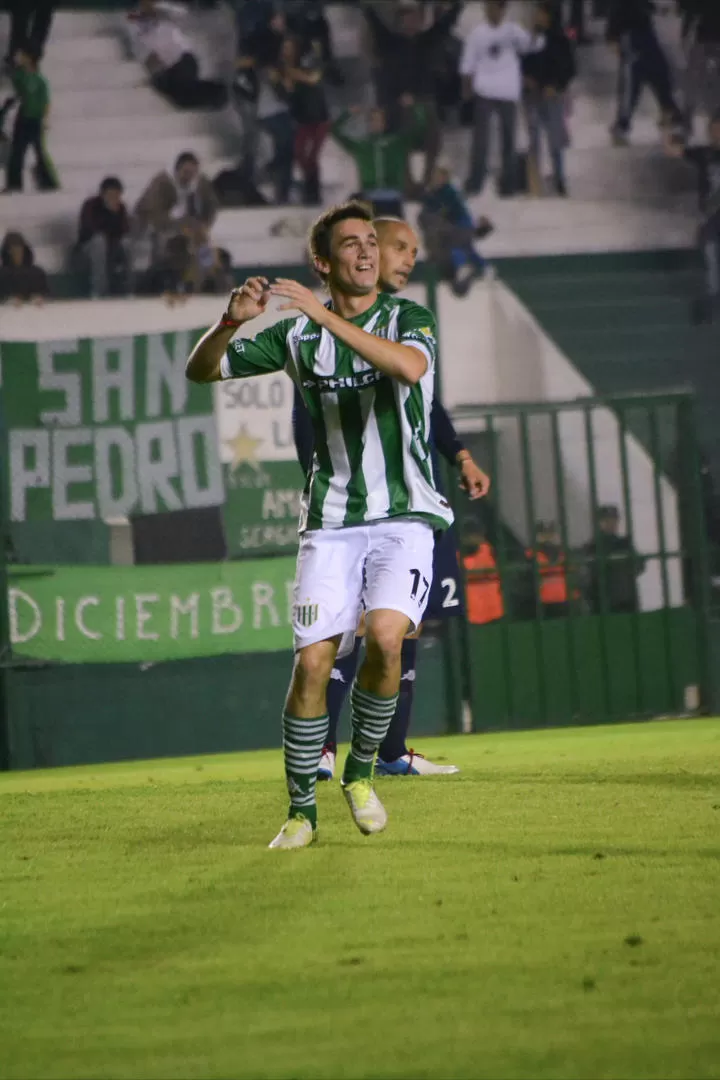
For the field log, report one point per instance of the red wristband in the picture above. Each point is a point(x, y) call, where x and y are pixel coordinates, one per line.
point(227, 321)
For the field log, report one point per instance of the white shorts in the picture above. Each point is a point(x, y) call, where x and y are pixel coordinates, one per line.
point(343, 572)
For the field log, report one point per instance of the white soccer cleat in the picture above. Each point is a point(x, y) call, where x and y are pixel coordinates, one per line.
point(412, 764)
point(326, 768)
point(297, 832)
point(368, 812)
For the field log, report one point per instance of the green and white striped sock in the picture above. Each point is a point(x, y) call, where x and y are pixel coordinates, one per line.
point(303, 741)
point(371, 716)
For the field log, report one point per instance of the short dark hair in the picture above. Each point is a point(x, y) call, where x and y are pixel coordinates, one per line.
point(186, 158)
point(321, 231)
point(111, 183)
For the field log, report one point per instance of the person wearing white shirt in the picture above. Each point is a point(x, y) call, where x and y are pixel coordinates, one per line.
point(158, 39)
point(490, 66)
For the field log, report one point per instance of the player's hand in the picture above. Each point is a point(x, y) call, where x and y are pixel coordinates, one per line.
point(472, 479)
point(298, 298)
point(249, 300)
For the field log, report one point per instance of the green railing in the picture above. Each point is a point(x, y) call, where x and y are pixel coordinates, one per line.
point(601, 559)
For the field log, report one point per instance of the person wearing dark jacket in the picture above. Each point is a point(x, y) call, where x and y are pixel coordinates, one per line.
point(409, 63)
point(20, 279)
point(706, 161)
point(546, 77)
point(102, 249)
point(631, 30)
point(701, 31)
point(613, 567)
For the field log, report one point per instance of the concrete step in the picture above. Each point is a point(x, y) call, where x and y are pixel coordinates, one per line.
point(131, 129)
point(113, 103)
point(73, 24)
point(94, 74)
point(117, 156)
point(105, 48)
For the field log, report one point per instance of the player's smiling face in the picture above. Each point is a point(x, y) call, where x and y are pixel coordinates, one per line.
point(354, 258)
point(398, 254)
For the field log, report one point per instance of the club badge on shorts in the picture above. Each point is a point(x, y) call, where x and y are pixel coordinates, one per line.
point(306, 614)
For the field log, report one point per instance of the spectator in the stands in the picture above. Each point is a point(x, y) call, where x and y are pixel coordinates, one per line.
point(613, 566)
point(30, 22)
point(31, 120)
point(183, 268)
point(167, 52)
point(179, 203)
point(706, 160)
point(641, 61)
point(490, 67)
point(20, 279)
point(702, 85)
point(309, 107)
point(449, 232)
point(380, 156)
point(102, 254)
point(546, 77)
point(276, 84)
point(308, 21)
point(409, 62)
point(261, 32)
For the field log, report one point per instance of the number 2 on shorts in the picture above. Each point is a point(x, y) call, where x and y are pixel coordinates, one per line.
point(417, 578)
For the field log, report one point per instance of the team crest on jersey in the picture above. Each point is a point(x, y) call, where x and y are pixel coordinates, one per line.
point(306, 614)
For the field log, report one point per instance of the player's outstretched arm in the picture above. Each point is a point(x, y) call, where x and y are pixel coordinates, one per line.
point(251, 299)
point(402, 362)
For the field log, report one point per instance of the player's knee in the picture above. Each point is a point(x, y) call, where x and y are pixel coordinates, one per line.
point(384, 642)
point(313, 665)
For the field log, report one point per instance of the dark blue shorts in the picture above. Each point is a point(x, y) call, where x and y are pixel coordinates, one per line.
point(446, 593)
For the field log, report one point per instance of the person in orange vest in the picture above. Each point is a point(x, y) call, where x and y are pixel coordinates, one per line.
point(555, 593)
point(483, 590)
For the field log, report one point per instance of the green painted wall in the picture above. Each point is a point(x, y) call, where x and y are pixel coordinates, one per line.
point(77, 714)
point(554, 672)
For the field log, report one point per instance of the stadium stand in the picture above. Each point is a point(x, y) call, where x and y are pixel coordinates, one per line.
point(106, 118)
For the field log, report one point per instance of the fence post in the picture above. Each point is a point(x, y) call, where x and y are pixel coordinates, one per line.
point(4, 616)
point(456, 654)
point(690, 476)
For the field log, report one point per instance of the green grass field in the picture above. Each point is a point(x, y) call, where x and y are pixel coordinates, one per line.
point(554, 911)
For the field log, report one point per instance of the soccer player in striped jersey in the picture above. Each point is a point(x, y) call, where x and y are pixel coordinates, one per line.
point(365, 366)
point(398, 246)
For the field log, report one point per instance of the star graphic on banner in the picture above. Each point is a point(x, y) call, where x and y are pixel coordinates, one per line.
point(244, 448)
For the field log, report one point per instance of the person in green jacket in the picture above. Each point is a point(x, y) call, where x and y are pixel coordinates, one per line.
point(381, 158)
point(33, 93)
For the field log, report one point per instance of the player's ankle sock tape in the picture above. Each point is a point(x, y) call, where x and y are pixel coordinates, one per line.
point(394, 744)
point(341, 679)
point(303, 741)
point(371, 716)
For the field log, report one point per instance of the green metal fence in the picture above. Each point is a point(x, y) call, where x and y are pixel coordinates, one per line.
point(595, 526)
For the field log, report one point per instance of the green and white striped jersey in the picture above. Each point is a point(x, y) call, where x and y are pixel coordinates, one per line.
point(372, 459)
